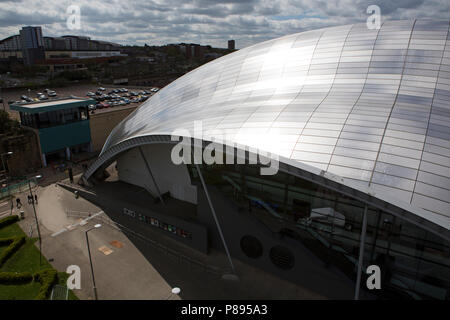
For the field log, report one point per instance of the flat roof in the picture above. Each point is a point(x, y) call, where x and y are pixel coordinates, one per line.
point(51, 105)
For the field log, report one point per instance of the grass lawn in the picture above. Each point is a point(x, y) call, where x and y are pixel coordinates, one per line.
point(25, 260)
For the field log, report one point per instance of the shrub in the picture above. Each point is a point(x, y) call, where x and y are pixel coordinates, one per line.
point(6, 241)
point(47, 278)
point(8, 220)
point(15, 278)
point(13, 247)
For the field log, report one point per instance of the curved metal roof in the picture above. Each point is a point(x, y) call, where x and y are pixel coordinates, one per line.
point(371, 106)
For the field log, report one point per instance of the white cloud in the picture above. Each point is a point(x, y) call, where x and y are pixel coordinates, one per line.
point(205, 21)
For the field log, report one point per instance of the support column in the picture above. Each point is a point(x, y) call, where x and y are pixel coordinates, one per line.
point(151, 175)
point(44, 160)
point(215, 219)
point(361, 253)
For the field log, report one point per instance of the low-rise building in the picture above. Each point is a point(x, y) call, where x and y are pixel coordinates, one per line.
point(61, 125)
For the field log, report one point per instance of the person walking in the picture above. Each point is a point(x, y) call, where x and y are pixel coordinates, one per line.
point(29, 199)
point(35, 198)
point(18, 203)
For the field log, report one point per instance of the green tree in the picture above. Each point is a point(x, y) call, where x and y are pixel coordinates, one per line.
point(8, 125)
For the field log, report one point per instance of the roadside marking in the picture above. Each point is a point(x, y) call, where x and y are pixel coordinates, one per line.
point(116, 244)
point(82, 222)
point(105, 250)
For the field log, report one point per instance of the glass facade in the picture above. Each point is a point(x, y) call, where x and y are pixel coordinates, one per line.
point(414, 263)
point(370, 106)
point(368, 109)
point(54, 118)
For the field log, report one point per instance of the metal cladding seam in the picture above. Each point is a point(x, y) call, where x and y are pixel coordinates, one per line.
point(371, 106)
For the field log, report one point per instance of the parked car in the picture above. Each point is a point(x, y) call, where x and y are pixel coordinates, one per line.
point(92, 107)
point(23, 97)
point(101, 89)
point(39, 94)
point(43, 97)
point(133, 93)
point(90, 94)
point(52, 94)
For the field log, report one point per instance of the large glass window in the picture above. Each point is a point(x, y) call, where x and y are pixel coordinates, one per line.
point(414, 263)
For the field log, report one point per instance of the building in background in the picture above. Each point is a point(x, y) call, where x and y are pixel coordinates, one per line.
point(231, 45)
point(32, 48)
point(358, 120)
point(11, 43)
point(61, 125)
point(32, 44)
point(192, 50)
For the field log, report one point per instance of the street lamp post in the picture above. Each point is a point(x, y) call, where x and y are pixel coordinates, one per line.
point(90, 259)
point(37, 222)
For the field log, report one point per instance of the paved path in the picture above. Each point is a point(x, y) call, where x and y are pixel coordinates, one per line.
point(123, 274)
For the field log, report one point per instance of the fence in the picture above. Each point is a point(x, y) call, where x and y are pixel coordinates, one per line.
point(17, 188)
point(105, 220)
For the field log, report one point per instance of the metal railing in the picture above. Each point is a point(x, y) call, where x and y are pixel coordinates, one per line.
point(17, 188)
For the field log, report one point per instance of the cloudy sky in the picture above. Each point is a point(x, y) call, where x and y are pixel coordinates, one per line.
point(213, 22)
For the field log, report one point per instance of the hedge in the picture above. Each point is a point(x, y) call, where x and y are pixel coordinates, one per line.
point(47, 278)
point(13, 247)
point(15, 278)
point(6, 241)
point(8, 220)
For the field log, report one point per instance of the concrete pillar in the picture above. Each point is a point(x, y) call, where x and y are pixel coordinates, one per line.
point(44, 160)
point(67, 153)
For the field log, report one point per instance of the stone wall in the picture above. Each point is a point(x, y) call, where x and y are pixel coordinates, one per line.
point(26, 156)
point(102, 123)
